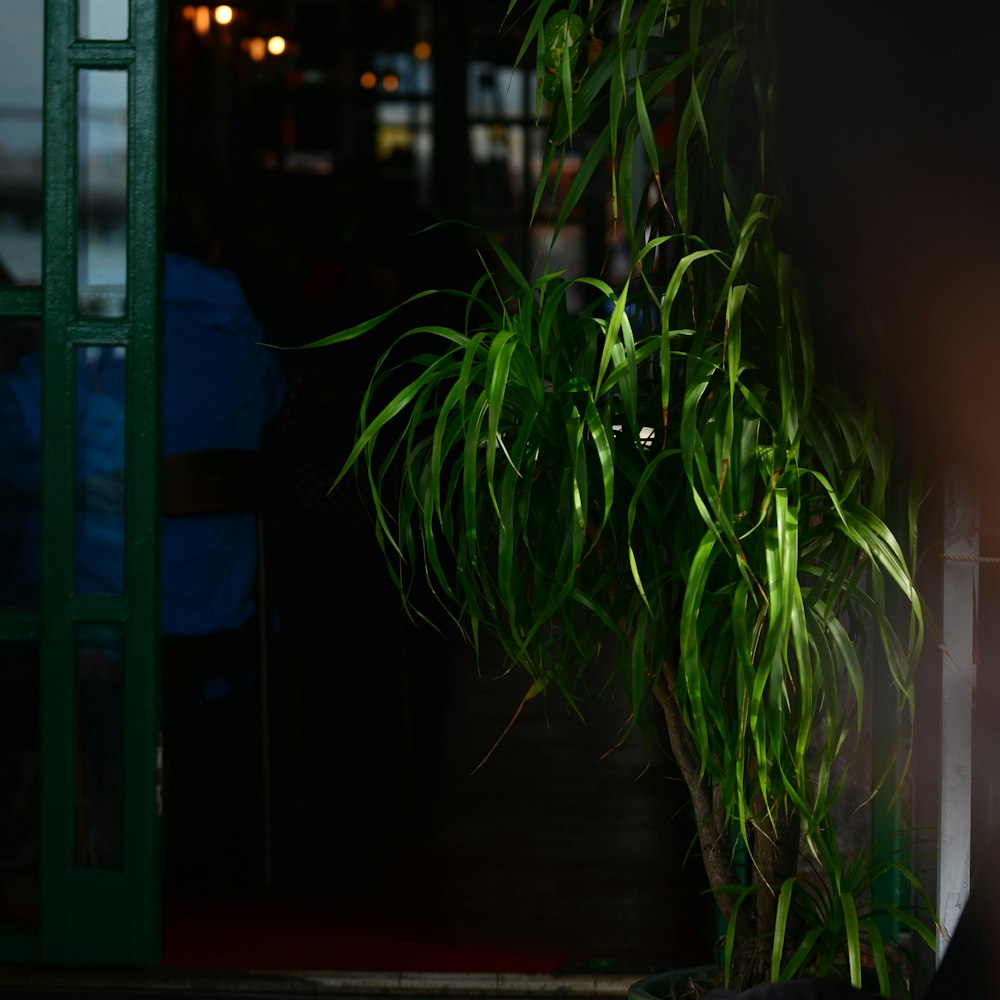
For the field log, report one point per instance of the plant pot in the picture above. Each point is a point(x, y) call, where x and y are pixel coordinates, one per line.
point(690, 984)
point(677, 983)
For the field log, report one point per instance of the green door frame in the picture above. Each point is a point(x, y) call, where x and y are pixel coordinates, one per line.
point(92, 915)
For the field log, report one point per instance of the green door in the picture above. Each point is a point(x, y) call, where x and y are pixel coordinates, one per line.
point(79, 480)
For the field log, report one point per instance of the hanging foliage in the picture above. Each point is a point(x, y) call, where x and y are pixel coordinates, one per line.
point(666, 466)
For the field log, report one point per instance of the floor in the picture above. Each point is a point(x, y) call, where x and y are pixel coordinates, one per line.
point(401, 849)
point(559, 854)
point(55, 985)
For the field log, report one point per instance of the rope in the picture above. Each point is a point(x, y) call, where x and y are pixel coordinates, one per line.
point(975, 559)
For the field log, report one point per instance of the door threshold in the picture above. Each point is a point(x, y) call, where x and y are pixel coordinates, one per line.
point(45, 982)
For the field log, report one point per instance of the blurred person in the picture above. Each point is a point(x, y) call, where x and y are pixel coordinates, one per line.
point(221, 388)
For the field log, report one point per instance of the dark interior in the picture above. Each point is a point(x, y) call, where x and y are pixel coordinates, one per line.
point(383, 838)
point(390, 848)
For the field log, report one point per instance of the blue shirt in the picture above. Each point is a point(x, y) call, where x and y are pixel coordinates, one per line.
point(220, 387)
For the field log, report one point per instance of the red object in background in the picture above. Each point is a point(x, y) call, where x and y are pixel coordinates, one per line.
point(267, 935)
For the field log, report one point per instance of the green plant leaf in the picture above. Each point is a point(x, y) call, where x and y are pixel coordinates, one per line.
point(594, 158)
point(654, 465)
point(780, 925)
point(853, 937)
point(878, 956)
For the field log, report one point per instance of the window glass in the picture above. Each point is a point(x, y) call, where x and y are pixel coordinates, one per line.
point(497, 153)
point(19, 783)
point(100, 470)
point(498, 91)
point(98, 742)
point(103, 191)
point(403, 74)
point(20, 462)
point(21, 35)
point(104, 19)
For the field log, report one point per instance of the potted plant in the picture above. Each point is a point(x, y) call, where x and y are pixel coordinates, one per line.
point(661, 468)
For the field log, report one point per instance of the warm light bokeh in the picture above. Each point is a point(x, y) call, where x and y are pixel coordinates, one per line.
point(276, 45)
point(202, 20)
point(390, 83)
point(422, 50)
point(257, 47)
point(223, 14)
point(368, 80)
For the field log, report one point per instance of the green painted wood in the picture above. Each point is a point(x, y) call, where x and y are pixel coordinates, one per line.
point(102, 55)
point(20, 302)
point(93, 607)
point(18, 945)
point(17, 625)
point(109, 333)
point(58, 290)
point(107, 917)
point(143, 484)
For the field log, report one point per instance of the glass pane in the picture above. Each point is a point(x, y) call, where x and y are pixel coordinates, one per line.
point(566, 253)
point(555, 191)
point(20, 463)
point(99, 745)
point(403, 74)
point(100, 470)
point(497, 153)
point(498, 91)
point(103, 191)
point(21, 142)
point(107, 19)
point(19, 783)
point(404, 145)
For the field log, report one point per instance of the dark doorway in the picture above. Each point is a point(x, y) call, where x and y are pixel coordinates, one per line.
point(390, 849)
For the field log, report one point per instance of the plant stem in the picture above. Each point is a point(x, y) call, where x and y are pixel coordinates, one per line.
point(710, 821)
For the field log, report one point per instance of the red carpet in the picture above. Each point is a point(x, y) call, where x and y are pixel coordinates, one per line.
point(289, 935)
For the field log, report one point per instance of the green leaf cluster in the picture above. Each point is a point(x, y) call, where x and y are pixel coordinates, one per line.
point(655, 474)
point(842, 919)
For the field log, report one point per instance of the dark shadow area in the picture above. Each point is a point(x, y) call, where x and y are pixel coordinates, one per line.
point(388, 848)
point(891, 149)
